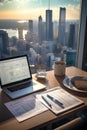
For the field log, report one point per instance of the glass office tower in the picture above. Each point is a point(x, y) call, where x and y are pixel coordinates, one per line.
point(4, 44)
point(49, 25)
point(40, 30)
point(61, 29)
point(20, 33)
point(71, 41)
point(31, 26)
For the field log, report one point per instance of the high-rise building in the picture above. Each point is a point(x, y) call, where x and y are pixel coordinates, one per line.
point(71, 57)
point(49, 25)
point(44, 31)
point(20, 33)
point(71, 41)
point(40, 30)
point(4, 44)
point(61, 29)
point(31, 26)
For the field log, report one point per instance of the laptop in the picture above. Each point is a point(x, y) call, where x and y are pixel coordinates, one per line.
point(16, 78)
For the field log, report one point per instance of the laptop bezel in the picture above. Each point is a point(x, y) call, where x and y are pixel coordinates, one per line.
point(21, 81)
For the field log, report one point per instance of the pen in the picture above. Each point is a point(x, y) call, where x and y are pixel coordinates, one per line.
point(56, 101)
point(44, 98)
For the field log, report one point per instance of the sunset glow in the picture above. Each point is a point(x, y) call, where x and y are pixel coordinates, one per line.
point(27, 9)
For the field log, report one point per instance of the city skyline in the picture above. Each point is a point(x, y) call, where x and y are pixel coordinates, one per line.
point(32, 44)
point(27, 9)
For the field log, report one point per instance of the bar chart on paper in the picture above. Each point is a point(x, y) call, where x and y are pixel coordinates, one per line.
point(58, 100)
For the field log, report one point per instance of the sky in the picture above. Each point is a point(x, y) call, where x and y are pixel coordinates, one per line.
point(32, 9)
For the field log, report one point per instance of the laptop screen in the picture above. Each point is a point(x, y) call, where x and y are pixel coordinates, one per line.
point(14, 70)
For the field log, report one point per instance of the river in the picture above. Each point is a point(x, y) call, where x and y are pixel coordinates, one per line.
point(12, 32)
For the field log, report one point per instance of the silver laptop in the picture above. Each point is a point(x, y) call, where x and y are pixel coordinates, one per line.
point(16, 78)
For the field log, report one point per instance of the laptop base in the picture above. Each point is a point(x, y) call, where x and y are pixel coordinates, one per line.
point(25, 91)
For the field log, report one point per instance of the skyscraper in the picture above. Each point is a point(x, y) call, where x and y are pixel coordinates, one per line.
point(20, 33)
point(49, 25)
point(31, 26)
point(40, 30)
point(61, 30)
point(71, 57)
point(44, 31)
point(4, 44)
point(71, 41)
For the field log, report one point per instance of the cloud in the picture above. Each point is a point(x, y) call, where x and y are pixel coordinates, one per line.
point(2, 1)
point(76, 0)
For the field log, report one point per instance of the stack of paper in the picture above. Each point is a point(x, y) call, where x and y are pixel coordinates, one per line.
point(58, 100)
point(25, 107)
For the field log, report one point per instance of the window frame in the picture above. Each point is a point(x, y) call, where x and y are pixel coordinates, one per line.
point(81, 41)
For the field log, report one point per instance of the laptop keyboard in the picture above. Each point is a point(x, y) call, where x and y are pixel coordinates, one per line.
point(19, 87)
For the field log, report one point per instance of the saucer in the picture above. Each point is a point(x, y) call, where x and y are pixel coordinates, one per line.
point(69, 83)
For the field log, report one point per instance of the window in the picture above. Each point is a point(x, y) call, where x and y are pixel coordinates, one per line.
point(45, 30)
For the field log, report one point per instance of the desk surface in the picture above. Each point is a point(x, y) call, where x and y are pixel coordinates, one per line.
point(8, 121)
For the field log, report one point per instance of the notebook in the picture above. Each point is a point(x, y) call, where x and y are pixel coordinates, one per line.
point(16, 78)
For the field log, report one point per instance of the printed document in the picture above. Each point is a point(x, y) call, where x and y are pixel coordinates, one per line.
point(25, 107)
point(58, 100)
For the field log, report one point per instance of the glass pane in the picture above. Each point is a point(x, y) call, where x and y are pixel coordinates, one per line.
point(45, 30)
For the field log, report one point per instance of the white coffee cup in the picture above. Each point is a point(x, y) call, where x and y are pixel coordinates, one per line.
point(59, 68)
